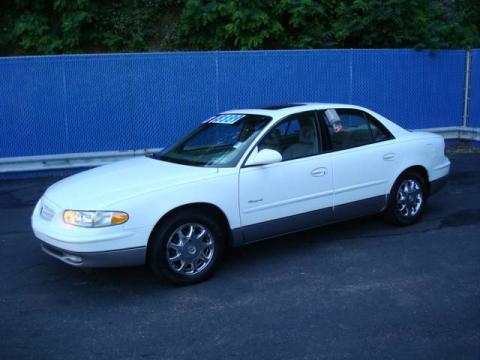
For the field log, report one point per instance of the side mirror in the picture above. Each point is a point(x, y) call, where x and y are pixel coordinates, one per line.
point(263, 157)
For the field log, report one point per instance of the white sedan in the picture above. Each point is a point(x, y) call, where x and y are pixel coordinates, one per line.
point(241, 176)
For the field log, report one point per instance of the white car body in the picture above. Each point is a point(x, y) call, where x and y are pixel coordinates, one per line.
point(257, 202)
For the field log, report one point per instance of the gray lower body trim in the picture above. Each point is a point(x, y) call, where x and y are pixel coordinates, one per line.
point(311, 219)
point(437, 185)
point(287, 225)
point(360, 208)
point(236, 238)
point(115, 258)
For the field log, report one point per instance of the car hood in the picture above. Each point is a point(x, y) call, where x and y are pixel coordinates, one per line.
point(97, 188)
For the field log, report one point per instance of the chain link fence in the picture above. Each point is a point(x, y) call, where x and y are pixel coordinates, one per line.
point(90, 103)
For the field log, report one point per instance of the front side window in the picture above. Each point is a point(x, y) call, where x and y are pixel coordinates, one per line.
point(218, 142)
point(294, 137)
point(350, 128)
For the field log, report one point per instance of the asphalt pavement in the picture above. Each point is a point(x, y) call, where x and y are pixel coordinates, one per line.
point(356, 290)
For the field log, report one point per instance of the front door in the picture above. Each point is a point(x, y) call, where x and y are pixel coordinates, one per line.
point(290, 195)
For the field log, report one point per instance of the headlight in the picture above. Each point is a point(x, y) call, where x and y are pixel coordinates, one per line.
point(94, 218)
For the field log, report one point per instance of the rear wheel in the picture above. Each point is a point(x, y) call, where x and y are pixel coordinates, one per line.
point(187, 247)
point(407, 199)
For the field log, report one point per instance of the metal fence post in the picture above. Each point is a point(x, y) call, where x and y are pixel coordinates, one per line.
point(466, 94)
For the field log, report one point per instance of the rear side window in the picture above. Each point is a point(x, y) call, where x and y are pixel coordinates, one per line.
point(350, 128)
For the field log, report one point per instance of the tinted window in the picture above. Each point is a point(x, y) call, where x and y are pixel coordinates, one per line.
point(294, 137)
point(379, 132)
point(351, 128)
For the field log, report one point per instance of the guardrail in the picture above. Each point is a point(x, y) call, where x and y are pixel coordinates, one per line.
point(456, 132)
point(92, 159)
point(68, 161)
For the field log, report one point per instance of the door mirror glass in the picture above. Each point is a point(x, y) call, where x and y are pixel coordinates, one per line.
point(264, 157)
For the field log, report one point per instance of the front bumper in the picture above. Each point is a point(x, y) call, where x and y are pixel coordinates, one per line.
point(88, 247)
point(114, 258)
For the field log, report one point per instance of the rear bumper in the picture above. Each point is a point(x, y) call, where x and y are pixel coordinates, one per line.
point(438, 184)
point(114, 258)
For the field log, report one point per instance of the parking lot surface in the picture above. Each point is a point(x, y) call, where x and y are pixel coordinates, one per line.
point(356, 290)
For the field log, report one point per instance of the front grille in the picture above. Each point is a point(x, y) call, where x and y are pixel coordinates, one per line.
point(46, 212)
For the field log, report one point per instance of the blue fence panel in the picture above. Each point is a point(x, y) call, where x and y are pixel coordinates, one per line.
point(100, 103)
point(416, 89)
point(31, 107)
point(137, 101)
point(61, 104)
point(474, 118)
point(273, 77)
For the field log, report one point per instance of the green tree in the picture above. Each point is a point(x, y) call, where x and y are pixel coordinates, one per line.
point(73, 26)
point(139, 25)
point(49, 27)
point(329, 23)
point(228, 25)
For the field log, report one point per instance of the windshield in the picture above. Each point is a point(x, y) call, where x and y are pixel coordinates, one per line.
point(218, 142)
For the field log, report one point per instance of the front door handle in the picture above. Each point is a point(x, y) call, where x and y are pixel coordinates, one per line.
point(319, 171)
point(389, 156)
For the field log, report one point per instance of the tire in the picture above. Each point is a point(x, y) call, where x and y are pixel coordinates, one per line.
point(187, 247)
point(407, 199)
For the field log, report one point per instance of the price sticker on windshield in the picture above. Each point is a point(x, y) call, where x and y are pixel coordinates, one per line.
point(225, 119)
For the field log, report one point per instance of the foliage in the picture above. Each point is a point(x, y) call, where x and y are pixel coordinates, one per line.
point(329, 23)
point(228, 25)
point(45, 27)
point(73, 26)
point(138, 25)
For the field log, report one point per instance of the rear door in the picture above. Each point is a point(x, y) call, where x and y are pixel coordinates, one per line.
point(293, 194)
point(364, 160)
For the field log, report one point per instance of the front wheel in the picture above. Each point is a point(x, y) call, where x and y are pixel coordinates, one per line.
point(187, 248)
point(407, 199)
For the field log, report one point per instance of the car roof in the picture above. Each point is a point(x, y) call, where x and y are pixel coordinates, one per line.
point(276, 111)
point(280, 106)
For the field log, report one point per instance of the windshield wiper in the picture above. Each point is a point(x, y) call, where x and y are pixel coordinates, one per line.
point(181, 161)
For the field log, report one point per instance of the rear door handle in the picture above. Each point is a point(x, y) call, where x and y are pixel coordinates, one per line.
point(389, 156)
point(319, 171)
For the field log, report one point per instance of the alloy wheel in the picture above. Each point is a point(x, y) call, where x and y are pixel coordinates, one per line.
point(409, 198)
point(190, 249)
